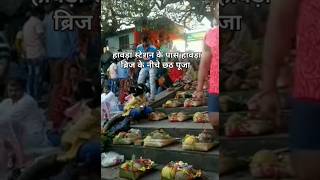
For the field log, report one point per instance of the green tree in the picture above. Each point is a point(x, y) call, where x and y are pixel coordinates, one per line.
point(116, 13)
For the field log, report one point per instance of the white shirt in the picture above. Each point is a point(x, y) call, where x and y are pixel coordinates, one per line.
point(111, 100)
point(27, 119)
point(112, 70)
point(33, 38)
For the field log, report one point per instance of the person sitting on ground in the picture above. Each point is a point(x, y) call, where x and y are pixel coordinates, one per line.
point(136, 105)
point(84, 94)
point(136, 108)
point(164, 82)
point(190, 74)
point(109, 105)
point(83, 129)
point(81, 150)
point(27, 119)
point(175, 74)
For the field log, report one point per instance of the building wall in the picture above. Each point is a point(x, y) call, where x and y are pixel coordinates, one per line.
point(113, 42)
point(195, 41)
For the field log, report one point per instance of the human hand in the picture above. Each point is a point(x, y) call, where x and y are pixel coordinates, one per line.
point(267, 104)
point(198, 95)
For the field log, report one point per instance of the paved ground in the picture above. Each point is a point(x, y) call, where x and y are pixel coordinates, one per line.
point(167, 124)
point(112, 174)
point(174, 147)
point(247, 176)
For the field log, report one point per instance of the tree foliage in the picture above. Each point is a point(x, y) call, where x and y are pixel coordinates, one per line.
point(119, 13)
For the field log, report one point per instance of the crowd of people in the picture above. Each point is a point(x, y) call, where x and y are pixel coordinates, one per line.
point(51, 90)
point(118, 79)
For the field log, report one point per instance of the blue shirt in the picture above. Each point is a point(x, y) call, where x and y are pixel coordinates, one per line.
point(59, 44)
point(123, 73)
point(150, 49)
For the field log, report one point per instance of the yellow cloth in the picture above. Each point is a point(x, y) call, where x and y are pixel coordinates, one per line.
point(133, 103)
point(84, 129)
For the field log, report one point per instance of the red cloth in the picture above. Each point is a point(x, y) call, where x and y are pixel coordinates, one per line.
point(307, 67)
point(59, 105)
point(124, 89)
point(175, 74)
point(212, 40)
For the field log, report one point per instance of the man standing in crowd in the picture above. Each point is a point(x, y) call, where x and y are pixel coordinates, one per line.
point(60, 45)
point(33, 39)
point(147, 47)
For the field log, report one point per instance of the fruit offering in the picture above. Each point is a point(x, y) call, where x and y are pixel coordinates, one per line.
point(192, 103)
point(127, 138)
point(240, 125)
point(180, 171)
point(269, 164)
point(158, 138)
point(178, 117)
point(183, 94)
point(203, 142)
point(172, 104)
point(135, 169)
point(190, 86)
point(201, 117)
point(157, 116)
